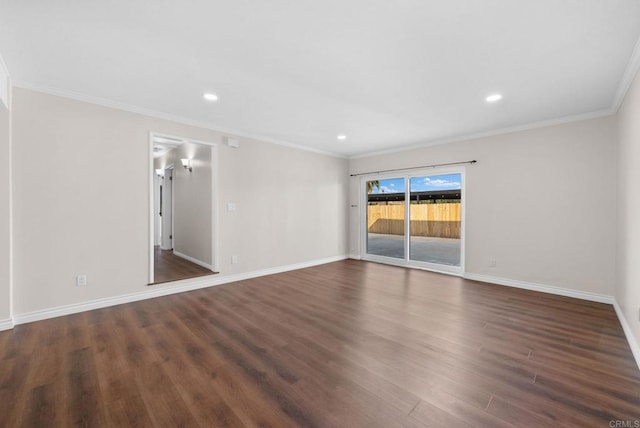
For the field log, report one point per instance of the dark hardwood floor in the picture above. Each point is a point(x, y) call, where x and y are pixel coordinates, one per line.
point(169, 267)
point(350, 344)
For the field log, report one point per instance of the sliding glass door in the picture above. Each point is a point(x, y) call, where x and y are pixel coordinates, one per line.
point(386, 218)
point(415, 219)
point(435, 219)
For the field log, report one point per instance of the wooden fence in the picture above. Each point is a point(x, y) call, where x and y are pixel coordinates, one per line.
point(434, 220)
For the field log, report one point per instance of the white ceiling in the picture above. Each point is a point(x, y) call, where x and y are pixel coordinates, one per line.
point(386, 73)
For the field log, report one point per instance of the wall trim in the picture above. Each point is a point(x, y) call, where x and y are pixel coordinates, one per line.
point(164, 290)
point(11, 194)
point(584, 295)
point(211, 281)
point(631, 70)
point(6, 324)
point(633, 344)
point(77, 96)
point(489, 133)
point(232, 132)
point(193, 260)
point(627, 78)
point(594, 297)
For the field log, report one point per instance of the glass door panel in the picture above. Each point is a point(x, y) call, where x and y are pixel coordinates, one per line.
point(386, 217)
point(435, 219)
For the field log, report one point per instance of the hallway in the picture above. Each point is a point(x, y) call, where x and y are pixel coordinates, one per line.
point(169, 267)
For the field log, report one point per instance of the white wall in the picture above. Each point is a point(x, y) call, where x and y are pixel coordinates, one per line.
point(628, 269)
point(192, 200)
point(540, 202)
point(81, 206)
point(5, 197)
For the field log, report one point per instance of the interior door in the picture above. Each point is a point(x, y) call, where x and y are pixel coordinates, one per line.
point(167, 210)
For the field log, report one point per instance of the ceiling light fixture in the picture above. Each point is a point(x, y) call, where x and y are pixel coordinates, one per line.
point(493, 98)
point(210, 96)
point(341, 137)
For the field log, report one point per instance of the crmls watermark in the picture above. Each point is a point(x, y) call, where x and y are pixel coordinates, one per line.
point(624, 424)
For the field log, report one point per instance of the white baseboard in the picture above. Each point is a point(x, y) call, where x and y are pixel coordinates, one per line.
point(584, 295)
point(193, 260)
point(163, 290)
point(631, 339)
point(6, 324)
point(211, 281)
point(601, 298)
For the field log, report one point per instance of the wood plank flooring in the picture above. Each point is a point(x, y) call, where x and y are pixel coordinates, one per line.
point(169, 267)
point(351, 344)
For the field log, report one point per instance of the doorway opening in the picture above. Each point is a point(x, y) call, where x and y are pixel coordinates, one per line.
point(415, 219)
point(165, 208)
point(183, 209)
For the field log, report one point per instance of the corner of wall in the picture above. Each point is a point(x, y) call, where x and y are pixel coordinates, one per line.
point(627, 154)
point(5, 85)
point(629, 76)
point(631, 339)
point(6, 200)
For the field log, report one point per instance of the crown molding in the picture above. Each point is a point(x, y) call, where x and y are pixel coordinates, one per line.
point(77, 96)
point(492, 133)
point(627, 79)
point(235, 133)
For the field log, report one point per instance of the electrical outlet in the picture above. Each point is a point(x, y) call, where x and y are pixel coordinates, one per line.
point(231, 206)
point(81, 281)
point(492, 263)
point(234, 260)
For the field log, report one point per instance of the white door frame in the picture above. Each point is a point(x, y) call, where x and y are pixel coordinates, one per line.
point(214, 200)
point(406, 261)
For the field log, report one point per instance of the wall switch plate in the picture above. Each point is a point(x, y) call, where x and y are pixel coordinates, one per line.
point(81, 281)
point(231, 206)
point(234, 260)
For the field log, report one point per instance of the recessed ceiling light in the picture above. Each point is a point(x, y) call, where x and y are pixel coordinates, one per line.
point(341, 137)
point(493, 98)
point(210, 96)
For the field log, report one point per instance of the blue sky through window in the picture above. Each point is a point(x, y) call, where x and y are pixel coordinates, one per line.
point(420, 184)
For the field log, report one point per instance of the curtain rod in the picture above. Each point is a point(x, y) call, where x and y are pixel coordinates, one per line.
point(415, 167)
